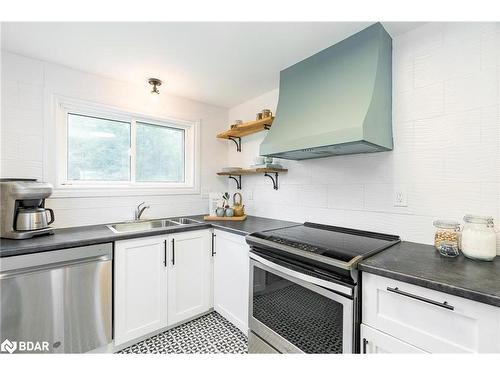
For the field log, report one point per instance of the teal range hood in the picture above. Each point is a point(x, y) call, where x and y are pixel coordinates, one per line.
point(336, 102)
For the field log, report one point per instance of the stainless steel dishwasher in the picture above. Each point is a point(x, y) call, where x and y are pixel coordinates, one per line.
point(60, 299)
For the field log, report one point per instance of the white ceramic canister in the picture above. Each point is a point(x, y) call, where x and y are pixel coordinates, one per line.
point(479, 238)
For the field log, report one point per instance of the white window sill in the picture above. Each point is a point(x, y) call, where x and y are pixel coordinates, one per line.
point(120, 191)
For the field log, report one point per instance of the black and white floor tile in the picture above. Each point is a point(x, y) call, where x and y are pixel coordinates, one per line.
point(209, 334)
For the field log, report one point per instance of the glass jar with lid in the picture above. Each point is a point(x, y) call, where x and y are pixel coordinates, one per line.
point(479, 237)
point(447, 237)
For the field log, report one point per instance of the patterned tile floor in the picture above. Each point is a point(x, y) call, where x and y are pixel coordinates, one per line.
point(209, 334)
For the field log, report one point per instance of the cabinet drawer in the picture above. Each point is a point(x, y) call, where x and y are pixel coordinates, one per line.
point(433, 321)
point(374, 341)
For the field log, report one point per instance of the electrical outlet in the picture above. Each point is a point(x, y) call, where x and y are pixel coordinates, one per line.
point(249, 195)
point(400, 197)
point(204, 193)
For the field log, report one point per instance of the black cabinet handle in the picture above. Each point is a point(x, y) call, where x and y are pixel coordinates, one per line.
point(173, 251)
point(213, 244)
point(165, 253)
point(365, 342)
point(444, 304)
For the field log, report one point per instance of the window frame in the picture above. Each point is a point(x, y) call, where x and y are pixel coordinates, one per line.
point(63, 187)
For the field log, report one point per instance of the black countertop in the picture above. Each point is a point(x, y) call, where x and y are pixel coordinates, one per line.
point(95, 234)
point(422, 265)
point(407, 261)
point(250, 225)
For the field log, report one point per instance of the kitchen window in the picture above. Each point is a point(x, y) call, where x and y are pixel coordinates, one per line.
point(103, 151)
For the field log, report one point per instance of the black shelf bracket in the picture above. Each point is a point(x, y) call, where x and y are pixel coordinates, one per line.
point(267, 127)
point(237, 141)
point(238, 181)
point(274, 179)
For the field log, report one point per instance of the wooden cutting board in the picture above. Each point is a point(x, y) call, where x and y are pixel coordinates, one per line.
point(225, 218)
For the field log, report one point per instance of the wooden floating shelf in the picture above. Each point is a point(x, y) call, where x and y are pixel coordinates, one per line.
point(237, 173)
point(225, 218)
point(247, 128)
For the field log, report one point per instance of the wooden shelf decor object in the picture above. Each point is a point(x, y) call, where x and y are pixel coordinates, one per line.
point(267, 172)
point(246, 128)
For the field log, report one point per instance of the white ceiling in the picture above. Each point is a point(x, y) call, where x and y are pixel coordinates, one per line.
point(218, 63)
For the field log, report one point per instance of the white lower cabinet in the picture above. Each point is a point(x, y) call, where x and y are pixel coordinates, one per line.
point(140, 287)
point(432, 321)
point(374, 341)
point(160, 281)
point(189, 275)
point(231, 278)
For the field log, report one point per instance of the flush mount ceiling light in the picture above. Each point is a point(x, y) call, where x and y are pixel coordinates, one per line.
point(155, 82)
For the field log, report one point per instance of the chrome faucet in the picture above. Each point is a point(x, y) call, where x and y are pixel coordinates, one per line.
point(139, 210)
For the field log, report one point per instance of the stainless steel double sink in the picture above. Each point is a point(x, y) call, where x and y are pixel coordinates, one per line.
point(142, 225)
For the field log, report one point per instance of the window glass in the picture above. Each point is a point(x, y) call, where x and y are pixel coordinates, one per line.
point(98, 149)
point(159, 153)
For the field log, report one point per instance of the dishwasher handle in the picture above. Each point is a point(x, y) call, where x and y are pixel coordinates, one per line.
point(29, 263)
point(51, 266)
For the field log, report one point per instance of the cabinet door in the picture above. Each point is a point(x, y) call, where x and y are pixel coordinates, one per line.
point(140, 288)
point(434, 321)
point(231, 278)
point(375, 342)
point(189, 275)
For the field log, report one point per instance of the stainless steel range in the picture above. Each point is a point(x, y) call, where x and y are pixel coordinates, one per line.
point(304, 287)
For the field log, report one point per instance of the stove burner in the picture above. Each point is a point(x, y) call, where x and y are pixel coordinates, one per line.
point(323, 243)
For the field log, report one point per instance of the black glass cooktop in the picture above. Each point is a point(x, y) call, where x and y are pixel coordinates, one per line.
point(334, 242)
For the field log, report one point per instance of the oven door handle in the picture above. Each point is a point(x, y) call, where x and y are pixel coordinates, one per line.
point(303, 277)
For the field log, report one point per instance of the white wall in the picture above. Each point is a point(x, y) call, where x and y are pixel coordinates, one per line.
point(447, 142)
point(27, 86)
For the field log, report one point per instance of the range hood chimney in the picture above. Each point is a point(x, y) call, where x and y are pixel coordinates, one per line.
point(336, 102)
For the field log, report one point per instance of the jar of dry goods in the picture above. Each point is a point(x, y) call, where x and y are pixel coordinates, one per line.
point(479, 238)
point(447, 237)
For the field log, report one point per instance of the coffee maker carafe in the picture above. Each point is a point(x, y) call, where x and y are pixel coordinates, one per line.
point(23, 213)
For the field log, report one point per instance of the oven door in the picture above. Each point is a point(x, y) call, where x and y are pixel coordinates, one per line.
point(296, 312)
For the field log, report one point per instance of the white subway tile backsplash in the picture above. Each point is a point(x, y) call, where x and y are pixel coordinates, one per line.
point(471, 92)
point(22, 69)
point(313, 195)
point(381, 197)
point(430, 68)
point(23, 121)
point(404, 136)
point(428, 101)
point(10, 146)
point(429, 60)
point(446, 133)
point(10, 94)
point(403, 69)
point(31, 148)
point(489, 52)
point(32, 96)
point(298, 173)
point(420, 103)
point(490, 201)
point(462, 60)
point(447, 200)
point(15, 168)
point(349, 196)
point(490, 123)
